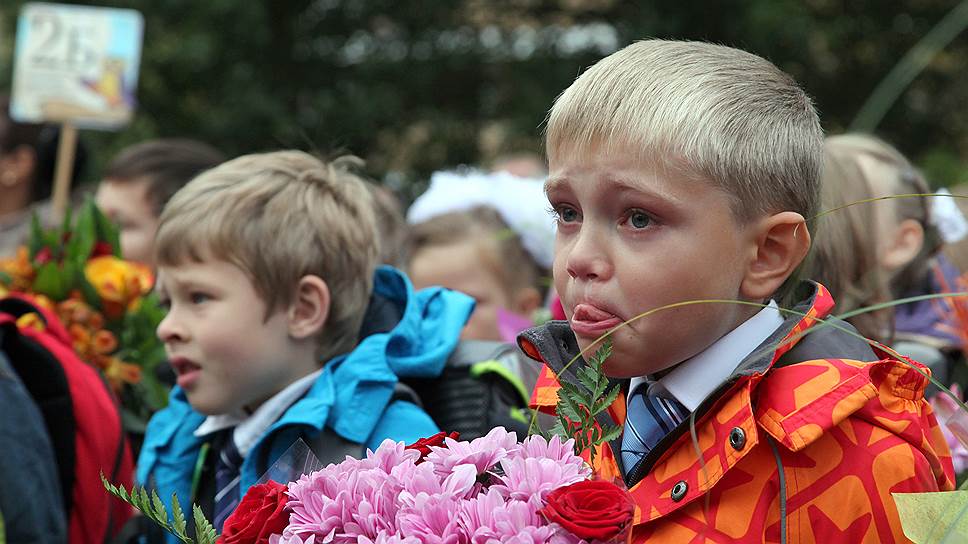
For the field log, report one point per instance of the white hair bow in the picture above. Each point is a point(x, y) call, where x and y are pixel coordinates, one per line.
point(521, 202)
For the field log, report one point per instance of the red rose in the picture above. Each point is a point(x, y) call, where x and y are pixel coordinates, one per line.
point(590, 509)
point(423, 445)
point(261, 513)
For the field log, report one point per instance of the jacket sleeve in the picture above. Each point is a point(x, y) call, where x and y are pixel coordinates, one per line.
point(402, 421)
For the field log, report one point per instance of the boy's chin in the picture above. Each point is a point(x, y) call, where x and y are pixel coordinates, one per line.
point(205, 407)
point(625, 366)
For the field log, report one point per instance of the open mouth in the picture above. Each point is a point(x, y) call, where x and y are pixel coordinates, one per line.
point(186, 370)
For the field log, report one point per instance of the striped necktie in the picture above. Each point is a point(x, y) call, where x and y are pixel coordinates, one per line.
point(227, 467)
point(650, 416)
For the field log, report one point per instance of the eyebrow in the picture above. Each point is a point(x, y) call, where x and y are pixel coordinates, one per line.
point(552, 184)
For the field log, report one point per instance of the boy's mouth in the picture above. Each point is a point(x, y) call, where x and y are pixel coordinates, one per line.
point(591, 321)
point(186, 370)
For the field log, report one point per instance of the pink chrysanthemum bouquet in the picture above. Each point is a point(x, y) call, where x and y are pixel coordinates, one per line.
point(490, 490)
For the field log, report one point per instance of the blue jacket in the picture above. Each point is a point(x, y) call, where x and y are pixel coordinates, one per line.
point(351, 397)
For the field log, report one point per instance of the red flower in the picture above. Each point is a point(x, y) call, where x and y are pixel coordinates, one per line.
point(591, 509)
point(43, 256)
point(101, 249)
point(423, 445)
point(261, 513)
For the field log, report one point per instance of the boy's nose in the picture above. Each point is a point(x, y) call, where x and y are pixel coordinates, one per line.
point(169, 330)
point(587, 259)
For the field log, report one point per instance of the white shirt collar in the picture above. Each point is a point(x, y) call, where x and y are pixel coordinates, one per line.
point(694, 379)
point(250, 428)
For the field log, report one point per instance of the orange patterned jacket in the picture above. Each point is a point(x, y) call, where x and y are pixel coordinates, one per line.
point(848, 426)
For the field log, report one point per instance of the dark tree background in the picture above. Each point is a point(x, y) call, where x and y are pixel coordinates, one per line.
point(418, 85)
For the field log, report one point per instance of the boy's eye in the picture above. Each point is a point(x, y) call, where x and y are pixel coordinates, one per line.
point(199, 298)
point(565, 214)
point(164, 303)
point(639, 219)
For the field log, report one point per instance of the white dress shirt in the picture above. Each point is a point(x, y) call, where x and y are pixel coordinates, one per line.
point(691, 381)
point(249, 428)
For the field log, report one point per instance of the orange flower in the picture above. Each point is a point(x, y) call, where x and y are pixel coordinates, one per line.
point(104, 342)
point(119, 373)
point(80, 337)
point(119, 283)
point(20, 270)
point(96, 321)
point(75, 310)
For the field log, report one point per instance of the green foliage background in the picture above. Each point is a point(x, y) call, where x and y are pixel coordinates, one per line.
point(417, 85)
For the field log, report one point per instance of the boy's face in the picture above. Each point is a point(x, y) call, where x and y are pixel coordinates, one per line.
point(633, 238)
point(126, 203)
point(226, 354)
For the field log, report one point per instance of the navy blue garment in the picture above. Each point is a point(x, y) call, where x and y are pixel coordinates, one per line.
point(29, 484)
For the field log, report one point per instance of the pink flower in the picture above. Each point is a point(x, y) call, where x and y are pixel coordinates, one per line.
point(532, 478)
point(432, 519)
point(537, 446)
point(389, 539)
point(354, 498)
point(951, 419)
point(390, 454)
point(291, 539)
point(484, 452)
point(490, 519)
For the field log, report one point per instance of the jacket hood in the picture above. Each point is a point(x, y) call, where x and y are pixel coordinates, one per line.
point(417, 345)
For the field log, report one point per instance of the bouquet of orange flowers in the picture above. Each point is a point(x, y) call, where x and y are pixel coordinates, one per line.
point(103, 301)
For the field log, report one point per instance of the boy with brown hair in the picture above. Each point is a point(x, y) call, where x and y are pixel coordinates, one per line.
point(141, 179)
point(281, 326)
point(685, 171)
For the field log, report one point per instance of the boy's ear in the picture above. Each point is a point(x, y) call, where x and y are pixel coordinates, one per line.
point(903, 245)
point(526, 301)
point(782, 242)
point(309, 310)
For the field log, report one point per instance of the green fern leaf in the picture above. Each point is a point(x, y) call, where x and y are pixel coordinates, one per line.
point(588, 377)
point(603, 353)
point(144, 501)
point(603, 403)
point(610, 433)
point(159, 509)
point(204, 532)
point(559, 430)
point(180, 526)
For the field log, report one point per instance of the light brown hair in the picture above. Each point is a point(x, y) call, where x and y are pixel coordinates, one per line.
point(499, 246)
point(281, 216)
point(845, 251)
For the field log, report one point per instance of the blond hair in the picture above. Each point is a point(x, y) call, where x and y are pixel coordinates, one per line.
point(706, 110)
point(281, 216)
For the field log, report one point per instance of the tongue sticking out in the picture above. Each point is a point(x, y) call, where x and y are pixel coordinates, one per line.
point(587, 312)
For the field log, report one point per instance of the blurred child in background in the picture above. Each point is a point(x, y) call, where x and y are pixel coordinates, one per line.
point(873, 252)
point(487, 235)
point(139, 181)
point(27, 157)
